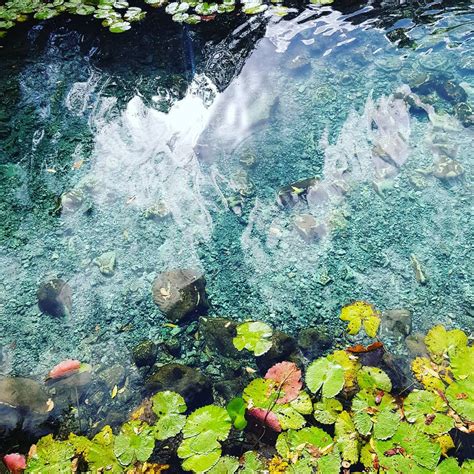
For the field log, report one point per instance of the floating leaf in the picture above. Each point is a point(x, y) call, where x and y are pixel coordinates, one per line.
point(446, 443)
point(50, 456)
point(225, 465)
point(441, 343)
point(407, 451)
point(98, 452)
point(254, 336)
point(460, 396)
point(205, 8)
point(302, 404)
point(119, 27)
point(326, 374)
point(168, 407)
point(208, 418)
point(327, 410)
point(462, 362)
point(252, 463)
point(260, 393)
point(373, 378)
point(373, 410)
point(267, 418)
point(428, 411)
point(288, 417)
point(135, 442)
point(358, 314)
point(448, 466)
point(351, 366)
point(288, 379)
point(427, 373)
point(346, 437)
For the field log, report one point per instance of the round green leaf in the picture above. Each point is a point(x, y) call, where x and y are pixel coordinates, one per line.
point(325, 374)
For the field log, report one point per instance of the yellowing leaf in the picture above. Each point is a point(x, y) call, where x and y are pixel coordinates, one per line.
point(446, 443)
point(114, 391)
point(442, 343)
point(361, 313)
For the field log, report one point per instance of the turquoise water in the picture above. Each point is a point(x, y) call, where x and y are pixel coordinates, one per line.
point(174, 146)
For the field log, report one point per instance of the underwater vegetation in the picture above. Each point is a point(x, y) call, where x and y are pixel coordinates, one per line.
point(343, 415)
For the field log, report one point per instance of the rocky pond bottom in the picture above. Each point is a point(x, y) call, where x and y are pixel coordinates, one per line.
point(159, 188)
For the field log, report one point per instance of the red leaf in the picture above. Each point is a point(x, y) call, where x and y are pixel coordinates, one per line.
point(15, 463)
point(359, 348)
point(266, 417)
point(288, 377)
point(65, 368)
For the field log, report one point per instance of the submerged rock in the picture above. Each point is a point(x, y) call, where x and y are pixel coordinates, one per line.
point(55, 298)
point(396, 323)
point(309, 228)
point(283, 348)
point(106, 263)
point(144, 354)
point(446, 168)
point(453, 92)
point(190, 383)
point(180, 294)
point(313, 342)
point(23, 404)
point(218, 334)
point(464, 113)
point(157, 212)
point(289, 195)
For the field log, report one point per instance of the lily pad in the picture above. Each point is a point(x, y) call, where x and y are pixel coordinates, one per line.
point(254, 336)
point(327, 375)
point(361, 313)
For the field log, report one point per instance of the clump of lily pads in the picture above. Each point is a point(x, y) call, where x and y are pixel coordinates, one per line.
point(118, 15)
point(337, 416)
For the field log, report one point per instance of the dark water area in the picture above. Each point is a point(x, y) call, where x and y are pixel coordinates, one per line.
point(298, 163)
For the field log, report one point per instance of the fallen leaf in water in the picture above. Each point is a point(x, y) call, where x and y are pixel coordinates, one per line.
point(249, 370)
point(50, 170)
point(170, 325)
point(131, 199)
point(50, 405)
point(114, 391)
point(166, 293)
point(359, 348)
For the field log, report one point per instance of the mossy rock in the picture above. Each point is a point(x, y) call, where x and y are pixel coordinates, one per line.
point(313, 342)
point(217, 334)
point(284, 347)
point(144, 354)
point(190, 383)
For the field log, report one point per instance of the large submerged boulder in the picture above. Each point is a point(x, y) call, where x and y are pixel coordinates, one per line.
point(180, 294)
point(23, 405)
point(55, 297)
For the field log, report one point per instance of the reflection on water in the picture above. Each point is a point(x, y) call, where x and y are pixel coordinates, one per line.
point(331, 162)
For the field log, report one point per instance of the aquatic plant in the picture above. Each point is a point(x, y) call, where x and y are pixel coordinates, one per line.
point(360, 314)
point(117, 15)
point(204, 428)
point(254, 336)
point(236, 409)
point(169, 408)
point(408, 433)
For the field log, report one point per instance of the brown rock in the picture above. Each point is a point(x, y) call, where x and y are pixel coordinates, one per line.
point(309, 228)
point(180, 294)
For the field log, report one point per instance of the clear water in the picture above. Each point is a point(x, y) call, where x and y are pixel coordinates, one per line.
point(169, 118)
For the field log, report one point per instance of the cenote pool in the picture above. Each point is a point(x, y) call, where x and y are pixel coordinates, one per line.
point(296, 163)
